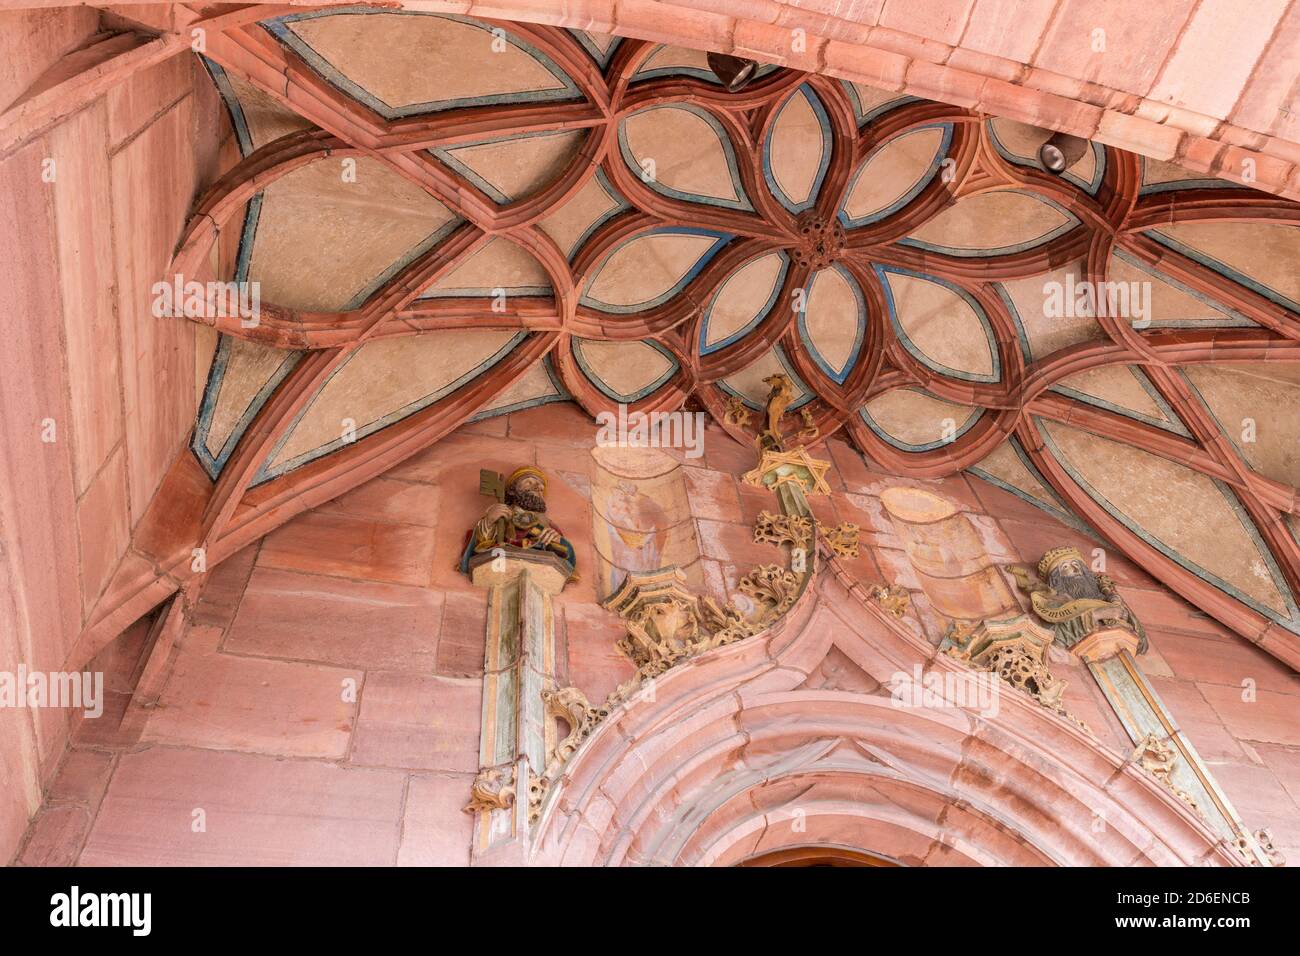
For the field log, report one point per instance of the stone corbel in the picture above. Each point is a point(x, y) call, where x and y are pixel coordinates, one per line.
point(493, 789)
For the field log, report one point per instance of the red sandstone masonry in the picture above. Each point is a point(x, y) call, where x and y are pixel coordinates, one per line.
point(881, 44)
point(425, 725)
point(1256, 725)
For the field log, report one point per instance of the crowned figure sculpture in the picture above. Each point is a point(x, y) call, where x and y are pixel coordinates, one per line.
point(1077, 603)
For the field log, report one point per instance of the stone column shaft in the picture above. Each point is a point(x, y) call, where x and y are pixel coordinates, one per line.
point(518, 664)
point(1142, 712)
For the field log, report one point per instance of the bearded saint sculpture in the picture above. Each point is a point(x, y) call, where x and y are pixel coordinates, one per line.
point(1074, 601)
point(517, 520)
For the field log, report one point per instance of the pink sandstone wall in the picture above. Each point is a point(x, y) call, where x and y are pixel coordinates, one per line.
point(1124, 73)
point(1141, 85)
point(83, 351)
point(253, 729)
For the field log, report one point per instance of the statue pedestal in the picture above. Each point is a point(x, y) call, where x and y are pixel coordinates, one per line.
point(1104, 644)
point(518, 664)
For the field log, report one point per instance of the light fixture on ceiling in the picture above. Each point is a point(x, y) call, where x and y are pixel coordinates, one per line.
point(1061, 152)
point(734, 72)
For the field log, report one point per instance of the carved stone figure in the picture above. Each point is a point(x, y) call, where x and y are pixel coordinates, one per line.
point(1158, 758)
point(894, 598)
point(1074, 601)
point(810, 429)
point(736, 413)
point(782, 393)
point(493, 789)
point(517, 520)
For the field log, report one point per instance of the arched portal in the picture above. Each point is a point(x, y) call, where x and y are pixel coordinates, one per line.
point(817, 856)
point(746, 751)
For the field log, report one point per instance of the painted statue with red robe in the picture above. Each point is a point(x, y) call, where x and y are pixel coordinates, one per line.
point(518, 521)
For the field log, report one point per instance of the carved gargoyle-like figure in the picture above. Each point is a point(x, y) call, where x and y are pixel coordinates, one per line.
point(517, 520)
point(736, 413)
point(1075, 602)
point(894, 598)
point(1159, 759)
point(781, 393)
point(493, 789)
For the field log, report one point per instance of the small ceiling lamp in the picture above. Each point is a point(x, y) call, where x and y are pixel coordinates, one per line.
point(1061, 152)
point(734, 72)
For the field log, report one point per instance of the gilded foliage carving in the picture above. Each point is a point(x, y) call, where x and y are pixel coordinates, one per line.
point(841, 539)
point(794, 530)
point(1016, 651)
point(1022, 669)
point(894, 598)
point(773, 587)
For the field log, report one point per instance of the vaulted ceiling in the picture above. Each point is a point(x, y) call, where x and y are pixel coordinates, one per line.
point(451, 219)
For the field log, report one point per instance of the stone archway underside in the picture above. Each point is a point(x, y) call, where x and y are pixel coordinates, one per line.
point(886, 273)
point(744, 751)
